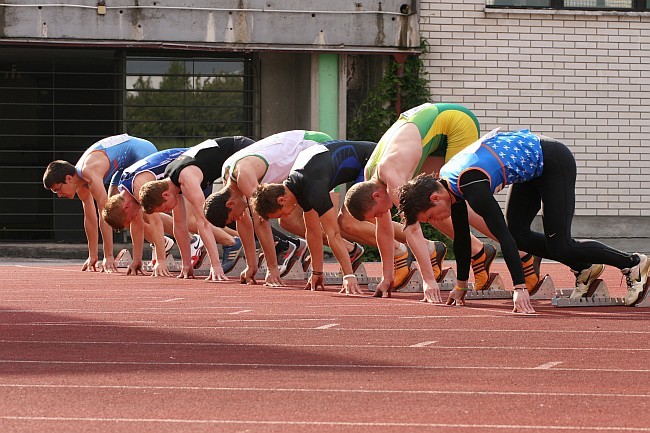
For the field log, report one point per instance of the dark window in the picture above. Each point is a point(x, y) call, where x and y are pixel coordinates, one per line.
point(55, 103)
point(620, 5)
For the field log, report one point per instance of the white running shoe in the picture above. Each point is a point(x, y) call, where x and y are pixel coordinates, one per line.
point(197, 251)
point(285, 258)
point(636, 277)
point(584, 279)
point(169, 243)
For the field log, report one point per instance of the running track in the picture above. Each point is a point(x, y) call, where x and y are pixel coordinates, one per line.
point(90, 352)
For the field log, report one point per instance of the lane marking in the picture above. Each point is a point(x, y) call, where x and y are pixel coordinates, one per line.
point(326, 390)
point(328, 326)
point(319, 366)
point(327, 423)
point(172, 300)
point(423, 344)
point(241, 311)
point(548, 365)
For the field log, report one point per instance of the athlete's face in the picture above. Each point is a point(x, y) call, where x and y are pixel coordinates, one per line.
point(65, 189)
point(382, 204)
point(435, 214)
point(169, 202)
point(288, 206)
point(131, 211)
point(237, 208)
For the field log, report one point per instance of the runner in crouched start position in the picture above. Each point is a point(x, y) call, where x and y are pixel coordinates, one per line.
point(269, 160)
point(191, 176)
point(316, 172)
point(421, 140)
point(123, 210)
point(102, 163)
point(540, 170)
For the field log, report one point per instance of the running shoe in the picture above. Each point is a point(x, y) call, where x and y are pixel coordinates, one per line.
point(585, 278)
point(531, 265)
point(197, 251)
point(481, 266)
point(231, 255)
point(403, 271)
point(284, 258)
point(169, 243)
point(355, 256)
point(636, 277)
point(437, 257)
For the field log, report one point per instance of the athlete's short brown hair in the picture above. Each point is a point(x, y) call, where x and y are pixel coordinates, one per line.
point(151, 195)
point(215, 209)
point(415, 197)
point(358, 199)
point(265, 199)
point(113, 212)
point(56, 172)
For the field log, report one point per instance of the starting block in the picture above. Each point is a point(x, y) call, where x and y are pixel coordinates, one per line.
point(336, 278)
point(447, 280)
point(599, 296)
point(295, 273)
point(172, 265)
point(414, 284)
point(545, 289)
point(123, 259)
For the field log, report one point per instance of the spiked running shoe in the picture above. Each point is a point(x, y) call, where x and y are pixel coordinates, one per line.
point(438, 257)
point(285, 258)
point(355, 256)
point(481, 266)
point(231, 255)
point(584, 279)
point(531, 266)
point(197, 251)
point(636, 277)
point(403, 271)
point(169, 243)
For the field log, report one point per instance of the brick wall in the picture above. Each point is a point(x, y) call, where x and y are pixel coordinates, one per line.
point(580, 77)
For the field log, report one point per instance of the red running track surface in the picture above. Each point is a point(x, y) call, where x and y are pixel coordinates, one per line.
point(91, 352)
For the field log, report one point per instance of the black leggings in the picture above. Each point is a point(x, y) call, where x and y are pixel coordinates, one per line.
point(555, 189)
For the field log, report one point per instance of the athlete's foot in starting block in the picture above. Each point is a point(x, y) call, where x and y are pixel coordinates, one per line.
point(481, 267)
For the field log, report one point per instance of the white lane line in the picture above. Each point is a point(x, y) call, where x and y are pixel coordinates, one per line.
point(320, 366)
point(240, 312)
point(325, 390)
point(329, 423)
point(548, 365)
point(423, 344)
point(328, 326)
point(172, 299)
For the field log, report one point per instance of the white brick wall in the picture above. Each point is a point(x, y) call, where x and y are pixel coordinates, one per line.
point(580, 77)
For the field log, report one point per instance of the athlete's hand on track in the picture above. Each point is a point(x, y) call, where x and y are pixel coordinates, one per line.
point(431, 292)
point(456, 297)
point(108, 265)
point(134, 268)
point(315, 282)
point(521, 299)
point(351, 286)
point(273, 279)
point(160, 270)
point(247, 276)
point(186, 272)
point(216, 274)
point(90, 264)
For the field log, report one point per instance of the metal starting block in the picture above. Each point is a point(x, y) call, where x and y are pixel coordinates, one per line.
point(336, 278)
point(123, 259)
point(414, 284)
point(447, 280)
point(545, 289)
point(600, 297)
point(295, 273)
point(172, 265)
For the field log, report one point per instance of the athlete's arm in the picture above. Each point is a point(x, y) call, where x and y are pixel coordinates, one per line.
point(475, 186)
point(90, 227)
